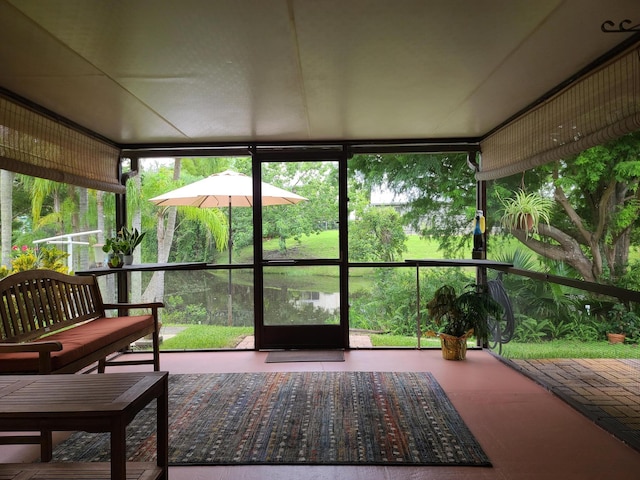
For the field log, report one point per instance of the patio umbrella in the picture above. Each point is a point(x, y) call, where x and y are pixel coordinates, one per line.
point(225, 189)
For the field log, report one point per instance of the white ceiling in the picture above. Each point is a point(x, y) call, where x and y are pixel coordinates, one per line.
point(169, 71)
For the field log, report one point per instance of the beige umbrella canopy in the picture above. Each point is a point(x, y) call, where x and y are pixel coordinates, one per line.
point(225, 189)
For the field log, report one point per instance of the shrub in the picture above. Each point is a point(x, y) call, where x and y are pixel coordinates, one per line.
point(44, 257)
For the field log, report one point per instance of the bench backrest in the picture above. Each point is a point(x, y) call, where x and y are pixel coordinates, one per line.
point(41, 301)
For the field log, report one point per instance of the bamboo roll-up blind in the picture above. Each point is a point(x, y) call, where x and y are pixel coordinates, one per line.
point(595, 109)
point(37, 145)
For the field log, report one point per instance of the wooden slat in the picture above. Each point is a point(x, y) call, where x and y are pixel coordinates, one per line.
point(61, 301)
point(38, 297)
point(7, 329)
point(50, 306)
point(76, 471)
point(24, 321)
point(57, 302)
point(46, 301)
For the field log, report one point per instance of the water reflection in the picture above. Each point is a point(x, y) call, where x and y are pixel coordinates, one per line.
point(201, 297)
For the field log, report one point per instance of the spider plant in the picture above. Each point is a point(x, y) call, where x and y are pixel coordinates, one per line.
point(525, 211)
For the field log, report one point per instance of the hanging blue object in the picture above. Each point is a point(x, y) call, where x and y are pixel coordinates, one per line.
point(478, 235)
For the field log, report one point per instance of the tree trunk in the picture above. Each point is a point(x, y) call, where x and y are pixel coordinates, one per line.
point(136, 222)
point(107, 282)
point(617, 251)
point(83, 208)
point(165, 230)
point(6, 214)
point(568, 250)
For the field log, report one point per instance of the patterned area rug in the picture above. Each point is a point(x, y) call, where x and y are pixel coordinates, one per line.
point(285, 418)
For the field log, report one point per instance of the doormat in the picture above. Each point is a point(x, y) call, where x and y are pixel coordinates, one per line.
point(305, 356)
point(297, 418)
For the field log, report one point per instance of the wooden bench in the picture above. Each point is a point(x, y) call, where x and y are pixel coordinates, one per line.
point(56, 323)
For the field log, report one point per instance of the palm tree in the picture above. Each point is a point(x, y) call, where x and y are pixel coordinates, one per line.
point(165, 229)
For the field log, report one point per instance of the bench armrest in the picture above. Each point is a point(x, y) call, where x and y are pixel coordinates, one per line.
point(154, 306)
point(43, 349)
point(30, 347)
point(126, 306)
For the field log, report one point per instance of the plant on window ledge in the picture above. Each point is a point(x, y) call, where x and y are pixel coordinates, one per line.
point(122, 246)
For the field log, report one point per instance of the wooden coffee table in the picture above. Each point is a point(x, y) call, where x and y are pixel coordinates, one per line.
point(105, 402)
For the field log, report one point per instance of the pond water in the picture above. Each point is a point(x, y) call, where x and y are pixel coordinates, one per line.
point(203, 297)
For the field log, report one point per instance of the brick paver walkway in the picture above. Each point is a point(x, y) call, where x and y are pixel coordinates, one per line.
point(605, 390)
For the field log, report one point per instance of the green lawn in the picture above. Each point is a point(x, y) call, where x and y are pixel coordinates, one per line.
point(325, 245)
point(422, 248)
point(552, 349)
point(569, 349)
point(200, 337)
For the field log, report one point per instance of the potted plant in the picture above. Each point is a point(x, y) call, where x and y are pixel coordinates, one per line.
point(122, 246)
point(461, 316)
point(524, 211)
point(113, 248)
point(622, 322)
point(130, 240)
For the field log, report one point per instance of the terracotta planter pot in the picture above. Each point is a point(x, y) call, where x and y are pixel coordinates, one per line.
point(526, 222)
point(616, 337)
point(453, 348)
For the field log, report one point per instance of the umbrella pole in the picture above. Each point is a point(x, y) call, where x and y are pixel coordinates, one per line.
point(229, 299)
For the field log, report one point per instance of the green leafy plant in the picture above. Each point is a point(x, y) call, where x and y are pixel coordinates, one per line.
point(525, 211)
point(530, 330)
point(125, 242)
point(459, 315)
point(113, 245)
point(622, 319)
point(583, 330)
point(44, 257)
point(560, 329)
point(130, 239)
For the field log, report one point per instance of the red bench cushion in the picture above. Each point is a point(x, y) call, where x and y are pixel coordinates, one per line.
point(78, 342)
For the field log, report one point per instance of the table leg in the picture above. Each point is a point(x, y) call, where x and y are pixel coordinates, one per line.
point(419, 320)
point(46, 446)
point(119, 450)
point(162, 437)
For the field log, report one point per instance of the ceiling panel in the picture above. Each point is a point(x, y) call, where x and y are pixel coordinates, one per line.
point(162, 71)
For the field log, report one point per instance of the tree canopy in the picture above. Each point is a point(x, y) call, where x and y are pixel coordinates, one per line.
point(437, 192)
point(596, 203)
point(596, 211)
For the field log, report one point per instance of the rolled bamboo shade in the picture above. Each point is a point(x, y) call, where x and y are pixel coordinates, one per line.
point(36, 145)
point(593, 110)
